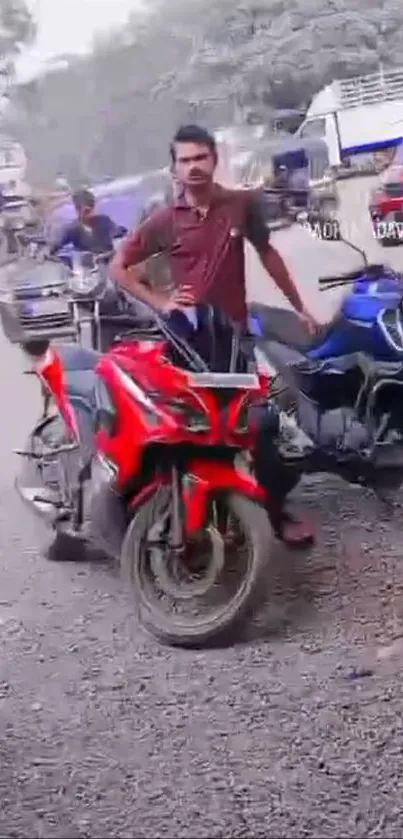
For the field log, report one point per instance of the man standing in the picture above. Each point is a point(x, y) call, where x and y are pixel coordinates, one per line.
point(202, 232)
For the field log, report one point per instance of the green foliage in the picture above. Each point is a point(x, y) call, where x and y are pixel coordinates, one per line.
point(113, 113)
point(17, 29)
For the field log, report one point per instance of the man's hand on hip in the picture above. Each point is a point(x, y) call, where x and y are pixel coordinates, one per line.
point(181, 297)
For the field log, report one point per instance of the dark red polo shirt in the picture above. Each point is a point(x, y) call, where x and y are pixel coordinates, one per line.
point(205, 252)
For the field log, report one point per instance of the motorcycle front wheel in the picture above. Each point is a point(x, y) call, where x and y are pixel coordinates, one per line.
point(207, 593)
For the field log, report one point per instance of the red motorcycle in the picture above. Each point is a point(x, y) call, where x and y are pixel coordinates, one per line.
point(143, 457)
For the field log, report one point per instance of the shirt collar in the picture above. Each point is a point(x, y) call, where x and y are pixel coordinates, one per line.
point(180, 200)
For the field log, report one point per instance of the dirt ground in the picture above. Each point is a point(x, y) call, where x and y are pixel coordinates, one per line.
point(296, 733)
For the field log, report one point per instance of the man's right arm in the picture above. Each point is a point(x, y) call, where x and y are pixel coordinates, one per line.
point(150, 238)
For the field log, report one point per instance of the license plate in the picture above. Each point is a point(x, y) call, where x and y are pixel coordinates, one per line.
point(39, 308)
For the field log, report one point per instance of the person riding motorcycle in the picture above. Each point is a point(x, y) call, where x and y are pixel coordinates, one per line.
point(90, 231)
point(202, 231)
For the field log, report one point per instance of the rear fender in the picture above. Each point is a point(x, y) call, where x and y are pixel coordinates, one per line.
point(208, 478)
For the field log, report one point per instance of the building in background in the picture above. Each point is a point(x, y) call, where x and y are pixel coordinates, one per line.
point(13, 162)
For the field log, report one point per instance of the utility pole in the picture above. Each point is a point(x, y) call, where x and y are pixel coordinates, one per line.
point(5, 84)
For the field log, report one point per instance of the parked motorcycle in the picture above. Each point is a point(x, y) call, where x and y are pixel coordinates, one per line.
point(139, 456)
point(344, 389)
point(86, 283)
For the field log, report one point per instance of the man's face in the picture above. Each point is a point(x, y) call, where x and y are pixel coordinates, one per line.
point(194, 164)
point(86, 212)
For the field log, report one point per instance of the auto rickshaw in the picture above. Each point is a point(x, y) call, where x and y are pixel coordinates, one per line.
point(299, 180)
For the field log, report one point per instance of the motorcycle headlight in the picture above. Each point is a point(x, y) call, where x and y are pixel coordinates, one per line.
point(83, 282)
point(192, 412)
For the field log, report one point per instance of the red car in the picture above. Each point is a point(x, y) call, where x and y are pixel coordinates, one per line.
point(386, 207)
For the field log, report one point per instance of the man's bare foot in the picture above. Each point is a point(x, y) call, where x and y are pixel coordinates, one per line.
point(296, 532)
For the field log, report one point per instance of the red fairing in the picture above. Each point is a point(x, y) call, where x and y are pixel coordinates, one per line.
point(208, 478)
point(144, 386)
point(131, 372)
point(51, 370)
point(204, 480)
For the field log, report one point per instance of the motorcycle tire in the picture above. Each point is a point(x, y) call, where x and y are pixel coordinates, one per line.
point(216, 626)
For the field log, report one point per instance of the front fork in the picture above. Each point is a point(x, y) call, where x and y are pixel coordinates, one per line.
point(177, 526)
point(88, 316)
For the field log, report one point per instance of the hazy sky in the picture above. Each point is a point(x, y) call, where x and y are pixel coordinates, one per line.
point(69, 25)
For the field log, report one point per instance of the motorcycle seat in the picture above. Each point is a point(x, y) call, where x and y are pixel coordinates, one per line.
point(339, 363)
point(80, 383)
point(78, 358)
point(284, 358)
point(319, 380)
point(284, 327)
point(79, 364)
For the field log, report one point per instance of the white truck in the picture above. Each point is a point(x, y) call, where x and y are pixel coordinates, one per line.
point(357, 116)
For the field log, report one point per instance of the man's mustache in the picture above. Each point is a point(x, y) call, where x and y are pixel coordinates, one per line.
point(198, 172)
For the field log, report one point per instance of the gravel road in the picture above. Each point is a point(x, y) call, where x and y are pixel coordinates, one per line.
point(293, 734)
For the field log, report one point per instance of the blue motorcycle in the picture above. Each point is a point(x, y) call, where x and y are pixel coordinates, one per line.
point(342, 392)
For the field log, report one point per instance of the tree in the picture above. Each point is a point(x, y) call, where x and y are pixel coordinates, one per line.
point(17, 29)
point(213, 61)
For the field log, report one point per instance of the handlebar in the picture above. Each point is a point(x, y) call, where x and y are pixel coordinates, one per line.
point(352, 276)
point(32, 239)
point(97, 257)
point(188, 353)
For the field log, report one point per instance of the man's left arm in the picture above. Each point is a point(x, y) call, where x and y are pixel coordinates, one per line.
point(65, 237)
point(257, 232)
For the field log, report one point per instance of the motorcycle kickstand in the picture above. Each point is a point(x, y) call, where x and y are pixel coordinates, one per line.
point(83, 478)
point(46, 405)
